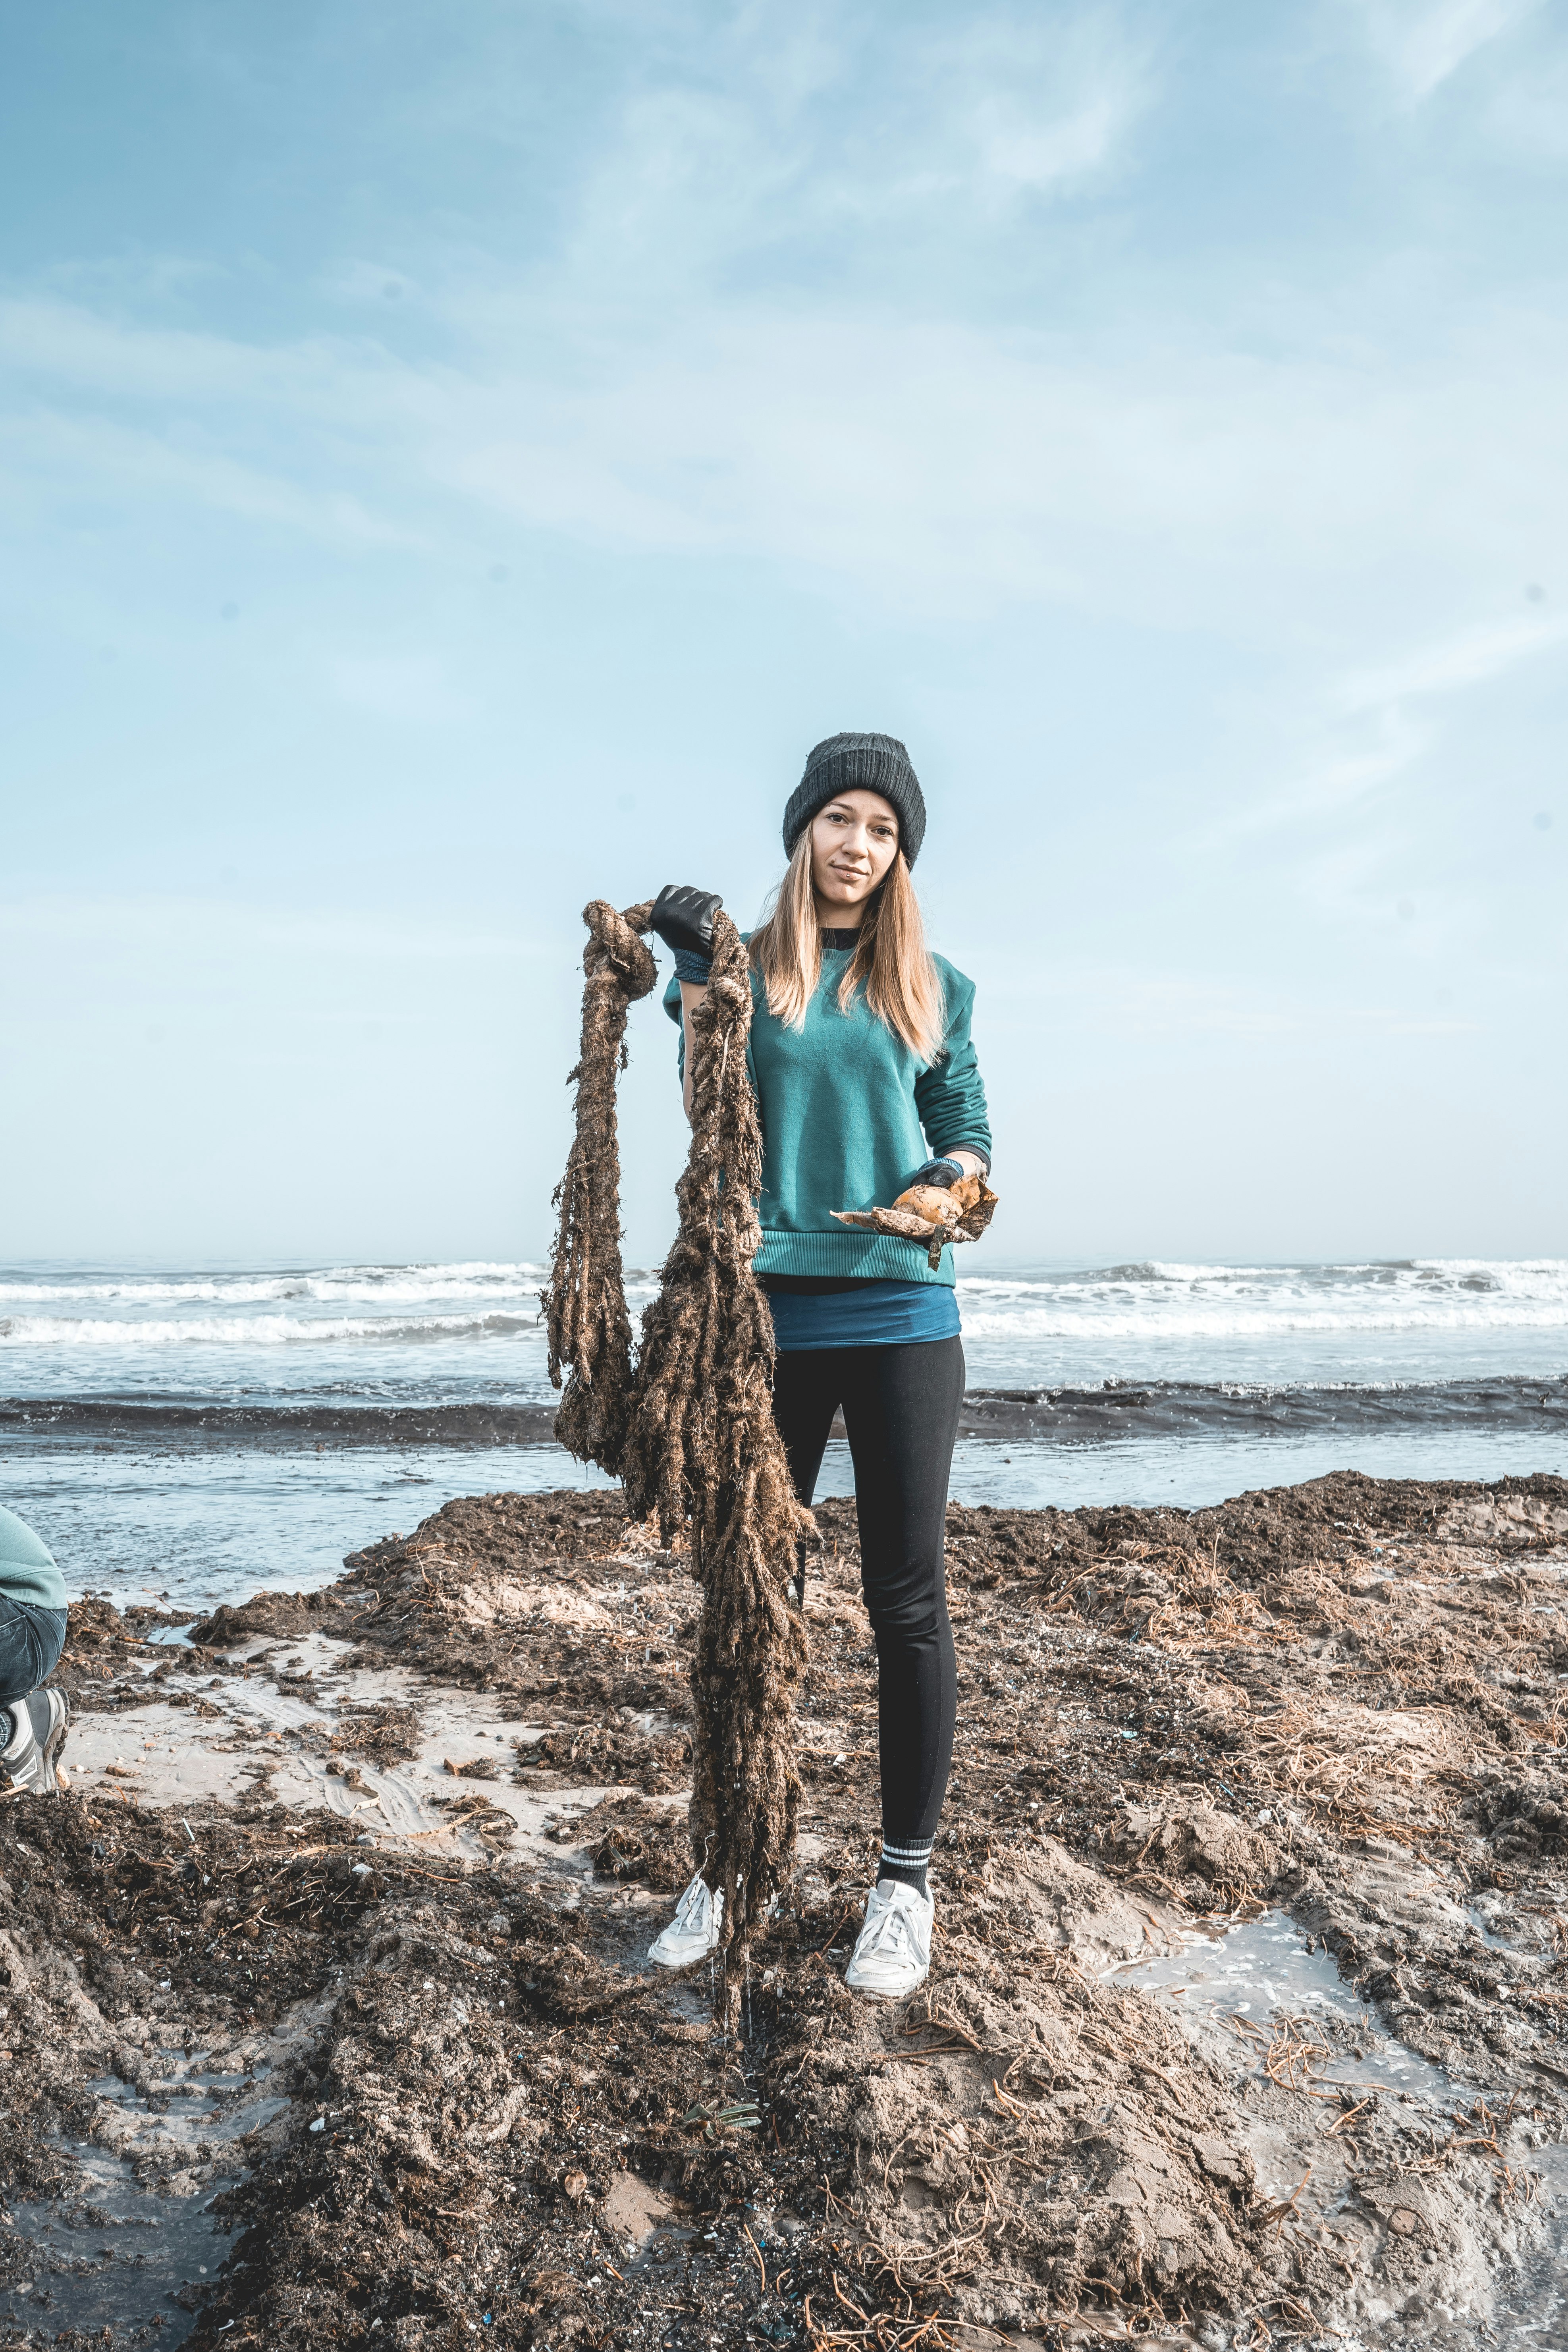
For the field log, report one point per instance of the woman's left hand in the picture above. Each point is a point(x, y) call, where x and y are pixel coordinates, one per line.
point(945, 1173)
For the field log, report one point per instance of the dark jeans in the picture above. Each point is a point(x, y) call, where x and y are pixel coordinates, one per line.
point(31, 1640)
point(900, 1413)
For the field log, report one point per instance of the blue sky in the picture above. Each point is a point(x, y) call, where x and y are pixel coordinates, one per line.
point(456, 462)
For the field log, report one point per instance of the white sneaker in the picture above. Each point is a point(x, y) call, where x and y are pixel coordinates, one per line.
point(693, 1932)
point(893, 1953)
point(34, 1730)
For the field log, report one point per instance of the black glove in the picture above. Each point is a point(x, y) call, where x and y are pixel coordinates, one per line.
point(683, 919)
point(943, 1174)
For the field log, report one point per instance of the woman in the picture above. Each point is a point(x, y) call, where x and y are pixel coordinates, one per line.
point(861, 1059)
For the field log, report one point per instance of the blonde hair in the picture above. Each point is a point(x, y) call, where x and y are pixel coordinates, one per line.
point(892, 961)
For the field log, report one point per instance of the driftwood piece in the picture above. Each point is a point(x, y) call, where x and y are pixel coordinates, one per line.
point(909, 1227)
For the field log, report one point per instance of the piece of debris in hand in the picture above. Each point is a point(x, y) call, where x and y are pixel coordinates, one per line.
point(931, 1213)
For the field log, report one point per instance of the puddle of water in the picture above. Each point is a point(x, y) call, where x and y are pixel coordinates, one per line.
point(1260, 1970)
point(1259, 1967)
point(1532, 2312)
point(1514, 1935)
point(114, 2253)
point(116, 2256)
point(178, 2108)
point(178, 1636)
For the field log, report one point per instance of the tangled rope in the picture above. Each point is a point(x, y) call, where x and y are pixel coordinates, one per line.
point(586, 1322)
point(690, 1430)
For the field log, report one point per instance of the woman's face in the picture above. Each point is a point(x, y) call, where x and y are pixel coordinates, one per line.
point(854, 840)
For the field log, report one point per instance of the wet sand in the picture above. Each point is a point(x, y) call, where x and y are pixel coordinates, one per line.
point(1245, 2019)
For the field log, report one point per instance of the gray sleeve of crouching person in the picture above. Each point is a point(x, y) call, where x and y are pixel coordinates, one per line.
point(27, 1571)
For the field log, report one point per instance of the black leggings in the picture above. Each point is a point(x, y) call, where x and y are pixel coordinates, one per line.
point(900, 1413)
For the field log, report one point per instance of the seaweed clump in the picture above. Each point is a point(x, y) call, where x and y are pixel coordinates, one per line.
point(690, 1426)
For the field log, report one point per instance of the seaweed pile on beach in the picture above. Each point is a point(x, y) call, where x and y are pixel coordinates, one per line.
point(392, 1853)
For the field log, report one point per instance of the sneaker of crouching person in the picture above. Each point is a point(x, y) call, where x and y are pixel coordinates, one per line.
point(33, 1717)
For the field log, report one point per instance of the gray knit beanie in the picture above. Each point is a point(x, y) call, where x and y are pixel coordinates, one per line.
point(870, 763)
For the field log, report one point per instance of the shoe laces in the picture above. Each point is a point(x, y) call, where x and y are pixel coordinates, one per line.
point(694, 1904)
point(891, 1930)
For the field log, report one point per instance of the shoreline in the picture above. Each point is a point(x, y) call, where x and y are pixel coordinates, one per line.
point(1042, 1414)
point(377, 1864)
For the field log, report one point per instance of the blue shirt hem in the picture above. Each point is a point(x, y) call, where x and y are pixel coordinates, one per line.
point(872, 1314)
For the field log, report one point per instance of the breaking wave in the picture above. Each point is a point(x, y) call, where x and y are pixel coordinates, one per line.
point(258, 1330)
point(1158, 1301)
point(341, 1287)
point(450, 1334)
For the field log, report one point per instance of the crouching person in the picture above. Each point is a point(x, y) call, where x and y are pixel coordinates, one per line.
point(32, 1635)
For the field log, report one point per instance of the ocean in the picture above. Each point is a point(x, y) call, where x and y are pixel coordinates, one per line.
point(188, 1434)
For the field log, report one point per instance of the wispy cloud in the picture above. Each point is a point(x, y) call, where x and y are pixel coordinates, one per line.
point(1423, 42)
point(1368, 736)
point(945, 467)
point(1130, 1002)
point(1391, 739)
point(53, 460)
point(1335, 780)
point(169, 928)
point(720, 350)
point(1360, 802)
point(772, 154)
point(1471, 657)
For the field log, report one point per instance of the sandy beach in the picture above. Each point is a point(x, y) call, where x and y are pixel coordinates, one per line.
point(329, 2023)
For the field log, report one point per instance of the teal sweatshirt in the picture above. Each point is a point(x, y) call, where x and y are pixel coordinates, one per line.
point(27, 1571)
point(848, 1114)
